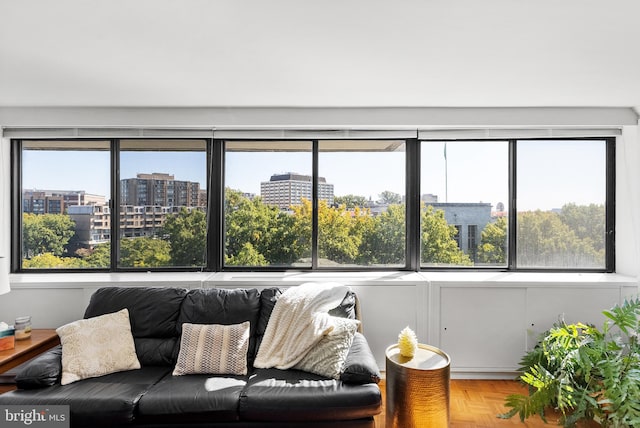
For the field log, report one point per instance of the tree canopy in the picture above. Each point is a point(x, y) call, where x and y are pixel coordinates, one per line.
point(46, 233)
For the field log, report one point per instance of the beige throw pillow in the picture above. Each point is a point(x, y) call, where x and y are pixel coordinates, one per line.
point(328, 356)
point(213, 349)
point(97, 346)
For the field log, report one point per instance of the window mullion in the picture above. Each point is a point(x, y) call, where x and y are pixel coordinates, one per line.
point(412, 205)
point(114, 204)
point(610, 205)
point(512, 216)
point(215, 206)
point(314, 205)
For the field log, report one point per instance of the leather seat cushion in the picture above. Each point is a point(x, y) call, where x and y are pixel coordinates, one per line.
point(109, 400)
point(192, 398)
point(293, 395)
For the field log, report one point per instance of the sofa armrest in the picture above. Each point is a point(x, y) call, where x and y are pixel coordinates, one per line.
point(43, 370)
point(360, 366)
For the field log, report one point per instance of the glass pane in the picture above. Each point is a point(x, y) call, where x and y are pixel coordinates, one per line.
point(464, 203)
point(65, 204)
point(163, 203)
point(561, 204)
point(268, 192)
point(361, 214)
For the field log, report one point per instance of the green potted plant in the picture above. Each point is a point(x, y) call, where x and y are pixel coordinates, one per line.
point(585, 373)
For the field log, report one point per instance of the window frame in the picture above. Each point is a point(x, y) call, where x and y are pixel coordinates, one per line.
point(215, 152)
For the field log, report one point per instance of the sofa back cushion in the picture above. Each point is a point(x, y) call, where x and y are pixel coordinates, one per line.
point(153, 313)
point(221, 306)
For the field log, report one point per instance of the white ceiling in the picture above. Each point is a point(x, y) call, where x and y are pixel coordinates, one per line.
point(325, 53)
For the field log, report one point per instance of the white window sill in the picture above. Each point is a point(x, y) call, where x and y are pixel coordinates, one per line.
point(249, 279)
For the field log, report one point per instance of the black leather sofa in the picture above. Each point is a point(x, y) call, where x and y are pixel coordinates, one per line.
point(153, 397)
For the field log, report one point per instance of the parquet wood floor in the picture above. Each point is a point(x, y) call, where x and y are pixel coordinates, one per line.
point(475, 403)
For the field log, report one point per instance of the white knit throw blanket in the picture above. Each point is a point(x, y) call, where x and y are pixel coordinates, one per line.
point(299, 320)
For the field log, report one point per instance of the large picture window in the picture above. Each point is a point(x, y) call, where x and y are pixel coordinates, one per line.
point(361, 203)
point(562, 193)
point(162, 203)
point(268, 191)
point(464, 203)
point(64, 205)
point(313, 204)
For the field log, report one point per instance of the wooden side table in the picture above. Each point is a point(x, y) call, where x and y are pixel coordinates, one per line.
point(417, 389)
point(26, 349)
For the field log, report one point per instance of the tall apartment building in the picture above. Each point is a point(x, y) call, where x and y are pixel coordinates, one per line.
point(56, 201)
point(285, 190)
point(159, 189)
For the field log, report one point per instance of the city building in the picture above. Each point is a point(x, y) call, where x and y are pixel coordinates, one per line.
point(160, 189)
point(469, 219)
point(286, 190)
point(56, 201)
point(93, 225)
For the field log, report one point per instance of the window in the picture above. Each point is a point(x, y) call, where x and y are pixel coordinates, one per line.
point(562, 195)
point(65, 217)
point(159, 226)
point(266, 222)
point(361, 208)
point(462, 185)
point(362, 203)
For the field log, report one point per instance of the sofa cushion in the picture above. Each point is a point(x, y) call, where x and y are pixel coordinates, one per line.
point(153, 313)
point(360, 365)
point(293, 395)
point(193, 398)
point(97, 346)
point(109, 400)
point(328, 356)
point(213, 349)
point(221, 306)
point(43, 370)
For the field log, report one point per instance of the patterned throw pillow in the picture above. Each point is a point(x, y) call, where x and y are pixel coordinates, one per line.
point(328, 356)
point(97, 346)
point(213, 349)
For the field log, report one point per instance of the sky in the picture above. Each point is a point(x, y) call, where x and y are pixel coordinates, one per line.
point(549, 174)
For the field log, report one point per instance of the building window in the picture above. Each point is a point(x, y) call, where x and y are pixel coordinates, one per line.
point(265, 224)
point(186, 204)
point(562, 204)
point(361, 207)
point(167, 229)
point(463, 183)
point(65, 192)
point(564, 214)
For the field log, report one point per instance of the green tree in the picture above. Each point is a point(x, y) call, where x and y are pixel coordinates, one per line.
point(493, 243)
point(438, 240)
point(339, 239)
point(247, 256)
point(350, 201)
point(51, 261)
point(100, 256)
point(388, 197)
point(144, 252)
point(46, 233)
point(187, 234)
point(267, 228)
point(587, 222)
point(384, 242)
point(544, 240)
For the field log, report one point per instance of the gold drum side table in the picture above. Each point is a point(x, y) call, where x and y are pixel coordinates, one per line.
point(417, 389)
